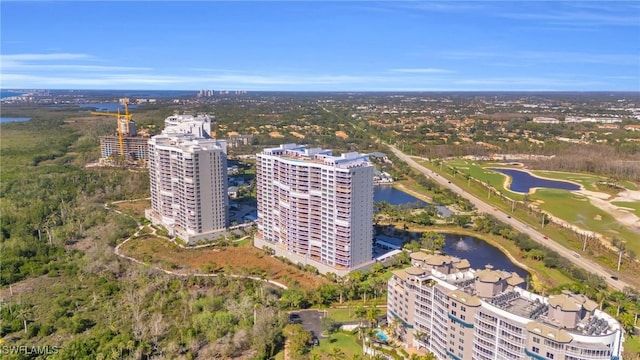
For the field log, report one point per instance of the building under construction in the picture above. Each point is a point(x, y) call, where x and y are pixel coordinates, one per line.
point(135, 148)
point(126, 143)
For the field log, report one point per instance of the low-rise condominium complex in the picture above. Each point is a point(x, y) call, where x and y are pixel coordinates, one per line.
point(442, 305)
point(316, 208)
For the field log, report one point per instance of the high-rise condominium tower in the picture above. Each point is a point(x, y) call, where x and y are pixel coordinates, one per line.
point(314, 207)
point(188, 181)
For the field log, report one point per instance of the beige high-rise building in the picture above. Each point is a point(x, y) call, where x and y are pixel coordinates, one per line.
point(188, 185)
point(316, 208)
point(442, 305)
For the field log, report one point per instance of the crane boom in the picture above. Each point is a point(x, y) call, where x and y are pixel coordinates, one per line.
point(122, 122)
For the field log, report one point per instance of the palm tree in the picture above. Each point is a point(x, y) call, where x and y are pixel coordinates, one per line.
point(360, 313)
point(422, 336)
point(372, 315)
point(24, 314)
point(618, 297)
point(430, 356)
point(395, 326)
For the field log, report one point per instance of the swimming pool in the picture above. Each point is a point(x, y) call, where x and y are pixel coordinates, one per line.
point(381, 336)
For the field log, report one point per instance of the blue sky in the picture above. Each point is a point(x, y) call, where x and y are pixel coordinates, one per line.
point(321, 46)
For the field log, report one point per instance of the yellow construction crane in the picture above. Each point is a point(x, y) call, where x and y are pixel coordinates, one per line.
point(123, 121)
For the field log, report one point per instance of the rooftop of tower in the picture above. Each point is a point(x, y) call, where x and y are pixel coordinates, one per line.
point(301, 153)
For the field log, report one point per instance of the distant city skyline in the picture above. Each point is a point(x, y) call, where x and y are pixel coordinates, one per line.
point(321, 46)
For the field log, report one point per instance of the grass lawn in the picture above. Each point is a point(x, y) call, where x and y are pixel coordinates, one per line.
point(245, 242)
point(578, 210)
point(341, 340)
point(342, 315)
point(632, 345)
point(588, 181)
point(630, 185)
point(478, 172)
point(628, 204)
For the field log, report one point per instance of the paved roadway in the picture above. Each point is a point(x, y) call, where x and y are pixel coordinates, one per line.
point(516, 224)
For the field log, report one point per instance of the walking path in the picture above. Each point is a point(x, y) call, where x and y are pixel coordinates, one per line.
point(117, 251)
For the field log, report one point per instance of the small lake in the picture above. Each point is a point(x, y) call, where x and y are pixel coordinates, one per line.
point(13, 119)
point(394, 196)
point(478, 252)
point(107, 106)
point(397, 197)
point(523, 182)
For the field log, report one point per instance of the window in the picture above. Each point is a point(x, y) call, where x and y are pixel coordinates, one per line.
point(536, 340)
point(535, 350)
point(549, 355)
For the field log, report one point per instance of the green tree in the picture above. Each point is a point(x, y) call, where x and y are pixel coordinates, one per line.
point(432, 241)
point(360, 313)
point(25, 315)
point(412, 246)
point(372, 315)
point(298, 339)
point(618, 298)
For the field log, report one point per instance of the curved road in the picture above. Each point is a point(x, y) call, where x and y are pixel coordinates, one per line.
point(516, 224)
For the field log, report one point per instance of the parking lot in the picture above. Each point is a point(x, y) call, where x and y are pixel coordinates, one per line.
point(310, 320)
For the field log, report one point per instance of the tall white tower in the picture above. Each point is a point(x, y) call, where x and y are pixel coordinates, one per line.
point(188, 180)
point(316, 205)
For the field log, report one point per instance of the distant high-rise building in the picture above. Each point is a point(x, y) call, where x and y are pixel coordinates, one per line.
point(205, 93)
point(188, 179)
point(314, 207)
point(444, 306)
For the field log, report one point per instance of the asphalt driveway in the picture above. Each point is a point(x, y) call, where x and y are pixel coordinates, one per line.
point(310, 320)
